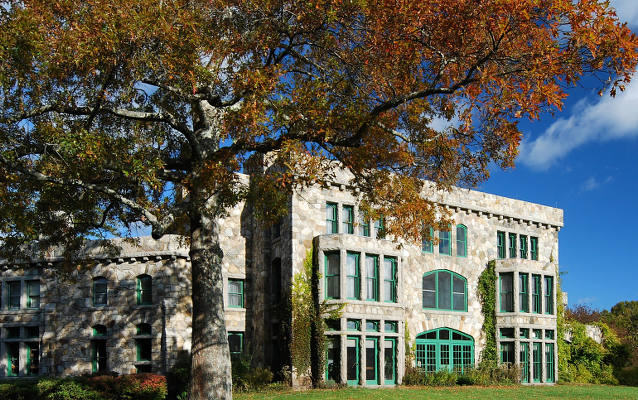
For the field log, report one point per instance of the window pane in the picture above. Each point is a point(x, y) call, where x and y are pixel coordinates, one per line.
point(333, 264)
point(444, 290)
point(461, 241)
point(235, 342)
point(444, 242)
point(444, 334)
point(371, 360)
point(428, 282)
point(352, 359)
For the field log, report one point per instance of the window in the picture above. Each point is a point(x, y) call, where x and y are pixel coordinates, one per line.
point(536, 294)
point(100, 291)
point(390, 280)
point(461, 241)
point(549, 334)
point(549, 362)
point(507, 353)
point(144, 344)
point(14, 288)
point(506, 284)
point(549, 295)
point(333, 324)
point(33, 358)
point(523, 240)
point(364, 226)
point(353, 277)
point(379, 228)
point(332, 275)
point(98, 349)
point(524, 333)
point(444, 290)
point(333, 358)
point(13, 358)
point(372, 326)
point(33, 294)
point(352, 360)
point(31, 332)
point(512, 237)
point(372, 360)
point(144, 290)
point(13, 332)
point(372, 278)
point(445, 247)
point(533, 241)
point(444, 348)
point(348, 219)
point(353, 324)
point(332, 223)
point(523, 294)
point(390, 361)
point(236, 293)
point(235, 343)
point(500, 244)
point(538, 333)
point(426, 245)
point(391, 326)
point(507, 333)
point(538, 361)
point(524, 359)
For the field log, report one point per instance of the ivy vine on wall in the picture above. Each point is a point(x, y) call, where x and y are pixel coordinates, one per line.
point(487, 295)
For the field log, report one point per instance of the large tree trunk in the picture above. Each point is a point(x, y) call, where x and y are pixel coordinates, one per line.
point(210, 366)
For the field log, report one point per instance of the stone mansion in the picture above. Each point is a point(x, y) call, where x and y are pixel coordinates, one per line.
point(131, 312)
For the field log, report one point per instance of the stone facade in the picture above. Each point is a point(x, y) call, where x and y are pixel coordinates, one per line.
point(366, 346)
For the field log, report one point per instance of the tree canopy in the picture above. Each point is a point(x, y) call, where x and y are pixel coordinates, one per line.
point(118, 113)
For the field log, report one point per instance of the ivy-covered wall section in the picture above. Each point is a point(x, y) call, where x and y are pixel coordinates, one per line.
point(487, 294)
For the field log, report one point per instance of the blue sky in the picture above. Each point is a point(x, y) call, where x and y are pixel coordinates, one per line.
point(585, 161)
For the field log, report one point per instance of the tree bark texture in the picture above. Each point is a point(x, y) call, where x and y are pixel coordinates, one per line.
point(210, 365)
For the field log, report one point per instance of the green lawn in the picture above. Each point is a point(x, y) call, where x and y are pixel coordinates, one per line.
point(594, 392)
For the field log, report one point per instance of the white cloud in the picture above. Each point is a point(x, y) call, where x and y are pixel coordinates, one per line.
point(608, 118)
point(593, 183)
point(587, 300)
point(627, 11)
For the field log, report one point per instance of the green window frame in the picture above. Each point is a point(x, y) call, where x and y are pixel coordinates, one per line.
point(372, 326)
point(549, 334)
point(379, 228)
point(390, 279)
point(549, 362)
point(523, 243)
point(13, 358)
point(533, 244)
point(426, 243)
point(537, 354)
point(536, 294)
point(512, 243)
point(33, 359)
point(549, 295)
point(144, 344)
point(444, 290)
point(235, 343)
point(444, 349)
point(372, 278)
point(352, 360)
point(537, 333)
point(500, 244)
point(236, 293)
point(445, 242)
point(506, 333)
point(390, 361)
point(372, 360)
point(99, 356)
point(506, 291)
point(332, 271)
point(523, 292)
point(353, 325)
point(100, 291)
point(391, 326)
point(14, 289)
point(524, 333)
point(461, 241)
point(507, 353)
point(364, 225)
point(353, 276)
point(348, 219)
point(332, 219)
point(333, 359)
point(144, 290)
point(524, 360)
point(33, 294)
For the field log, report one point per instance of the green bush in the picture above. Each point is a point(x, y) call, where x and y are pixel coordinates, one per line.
point(484, 376)
point(18, 391)
point(246, 378)
point(69, 389)
point(628, 376)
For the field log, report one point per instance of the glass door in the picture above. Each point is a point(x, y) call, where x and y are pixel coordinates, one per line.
point(372, 361)
point(390, 360)
point(352, 360)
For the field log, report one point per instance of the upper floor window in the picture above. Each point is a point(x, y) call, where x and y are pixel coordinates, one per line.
point(348, 219)
point(379, 228)
point(426, 245)
point(333, 270)
point(523, 292)
point(549, 295)
point(236, 293)
point(33, 294)
point(15, 291)
point(500, 244)
point(512, 237)
point(445, 245)
point(372, 278)
point(533, 241)
point(444, 290)
point(144, 290)
point(461, 241)
point(506, 284)
point(390, 279)
point(99, 291)
point(332, 221)
point(364, 225)
point(353, 277)
point(523, 242)
point(536, 294)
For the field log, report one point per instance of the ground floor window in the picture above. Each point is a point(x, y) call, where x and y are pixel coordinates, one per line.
point(13, 358)
point(390, 361)
point(444, 348)
point(538, 361)
point(352, 360)
point(524, 360)
point(549, 362)
point(333, 359)
point(372, 361)
point(98, 355)
point(33, 358)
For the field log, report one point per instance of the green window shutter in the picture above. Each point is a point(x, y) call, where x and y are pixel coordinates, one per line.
point(332, 221)
point(512, 237)
point(500, 243)
point(549, 295)
point(461, 241)
point(523, 240)
point(523, 287)
point(534, 247)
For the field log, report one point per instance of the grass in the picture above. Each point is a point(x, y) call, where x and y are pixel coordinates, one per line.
point(593, 392)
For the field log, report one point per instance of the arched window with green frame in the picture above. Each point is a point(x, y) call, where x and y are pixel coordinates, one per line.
point(444, 290)
point(144, 290)
point(461, 241)
point(444, 349)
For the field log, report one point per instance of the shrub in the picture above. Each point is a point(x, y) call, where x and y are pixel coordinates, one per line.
point(69, 389)
point(18, 391)
point(484, 375)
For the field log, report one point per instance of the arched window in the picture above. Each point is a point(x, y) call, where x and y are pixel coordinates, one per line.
point(144, 290)
point(99, 291)
point(444, 290)
point(461, 241)
point(444, 348)
point(98, 349)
